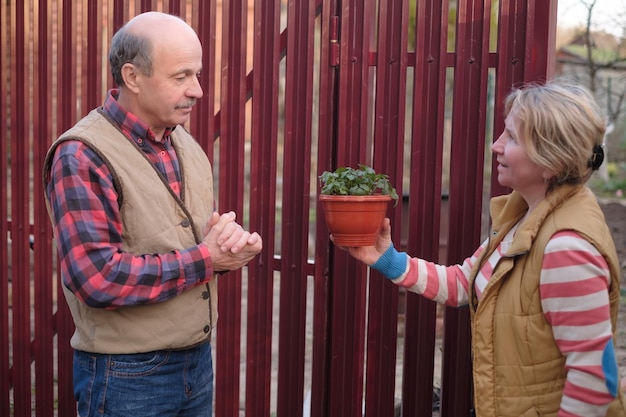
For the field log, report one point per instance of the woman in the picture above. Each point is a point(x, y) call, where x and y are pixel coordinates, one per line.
point(543, 289)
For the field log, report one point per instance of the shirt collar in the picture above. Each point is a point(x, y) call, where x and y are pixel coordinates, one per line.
point(127, 121)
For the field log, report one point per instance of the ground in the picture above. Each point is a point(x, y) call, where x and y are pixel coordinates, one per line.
point(615, 212)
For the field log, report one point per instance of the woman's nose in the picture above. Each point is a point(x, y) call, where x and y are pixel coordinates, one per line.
point(496, 147)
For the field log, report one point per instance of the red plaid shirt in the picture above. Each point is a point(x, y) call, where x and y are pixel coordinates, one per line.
point(88, 226)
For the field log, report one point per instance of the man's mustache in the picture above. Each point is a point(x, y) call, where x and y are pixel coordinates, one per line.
point(186, 105)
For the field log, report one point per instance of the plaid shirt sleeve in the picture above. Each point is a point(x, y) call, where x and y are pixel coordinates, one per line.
point(88, 231)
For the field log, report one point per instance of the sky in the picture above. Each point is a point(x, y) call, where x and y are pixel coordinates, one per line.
point(607, 14)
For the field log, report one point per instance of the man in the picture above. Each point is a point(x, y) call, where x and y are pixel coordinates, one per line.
point(130, 197)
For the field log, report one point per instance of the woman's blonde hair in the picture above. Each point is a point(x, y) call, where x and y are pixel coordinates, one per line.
point(562, 128)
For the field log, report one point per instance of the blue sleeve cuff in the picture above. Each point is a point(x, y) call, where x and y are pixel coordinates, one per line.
point(391, 264)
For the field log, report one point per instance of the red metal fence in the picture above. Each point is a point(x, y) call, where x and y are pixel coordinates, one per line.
point(293, 88)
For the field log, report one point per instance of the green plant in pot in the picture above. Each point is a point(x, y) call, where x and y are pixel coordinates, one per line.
point(355, 202)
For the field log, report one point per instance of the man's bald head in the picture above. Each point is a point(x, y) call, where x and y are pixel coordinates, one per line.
point(157, 25)
point(134, 42)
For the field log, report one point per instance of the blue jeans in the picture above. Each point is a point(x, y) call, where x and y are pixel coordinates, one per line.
point(164, 383)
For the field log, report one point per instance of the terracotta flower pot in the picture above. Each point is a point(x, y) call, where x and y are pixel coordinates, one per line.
point(354, 220)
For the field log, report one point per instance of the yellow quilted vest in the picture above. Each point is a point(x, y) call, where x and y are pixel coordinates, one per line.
point(518, 369)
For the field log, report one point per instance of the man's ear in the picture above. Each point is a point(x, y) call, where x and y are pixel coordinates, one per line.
point(130, 75)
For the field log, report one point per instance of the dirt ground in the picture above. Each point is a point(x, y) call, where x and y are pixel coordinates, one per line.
point(615, 212)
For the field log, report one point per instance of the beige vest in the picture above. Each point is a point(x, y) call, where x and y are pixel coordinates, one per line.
point(518, 368)
point(154, 220)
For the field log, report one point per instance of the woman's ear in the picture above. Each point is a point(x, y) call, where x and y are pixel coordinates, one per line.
point(547, 176)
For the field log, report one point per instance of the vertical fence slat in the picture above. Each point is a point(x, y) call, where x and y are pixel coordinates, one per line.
point(540, 39)
point(67, 66)
point(466, 185)
point(145, 6)
point(510, 66)
point(295, 207)
point(525, 52)
point(64, 329)
point(5, 79)
point(202, 121)
point(320, 372)
point(66, 117)
point(44, 289)
point(468, 125)
point(265, 87)
point(92, 31)
point(347, 284)
point(388, 155)
point(429, 78)
point(174, 7)
point(20, 277)
point(120, 14)
point(231, 181)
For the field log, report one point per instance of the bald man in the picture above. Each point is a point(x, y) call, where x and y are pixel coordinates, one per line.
point(130, 197)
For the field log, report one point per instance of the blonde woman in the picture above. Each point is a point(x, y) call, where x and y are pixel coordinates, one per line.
point(543, 289)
